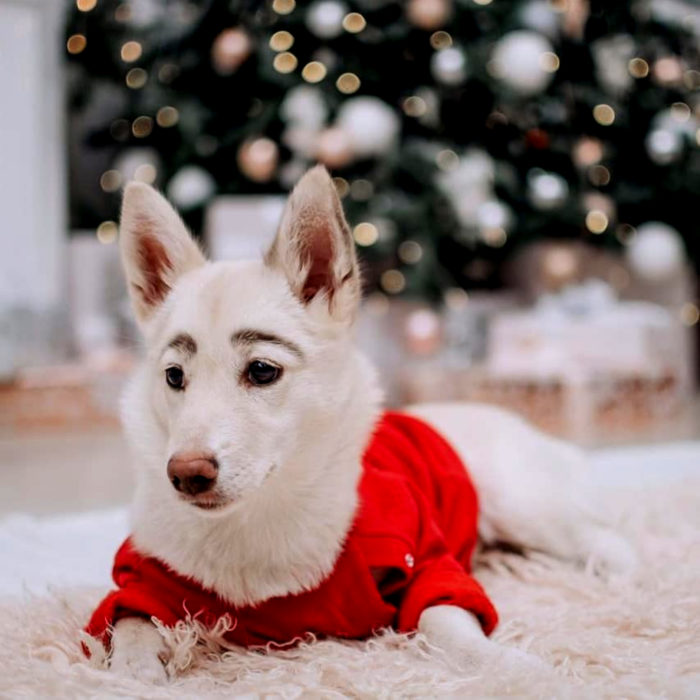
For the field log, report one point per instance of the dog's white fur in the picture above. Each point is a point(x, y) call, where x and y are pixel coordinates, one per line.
point(289, 454)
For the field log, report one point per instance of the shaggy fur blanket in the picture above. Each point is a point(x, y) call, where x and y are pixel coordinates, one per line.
point(633, 637)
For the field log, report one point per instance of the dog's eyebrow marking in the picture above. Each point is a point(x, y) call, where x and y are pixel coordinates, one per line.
point(184, 342)
point(248, 336)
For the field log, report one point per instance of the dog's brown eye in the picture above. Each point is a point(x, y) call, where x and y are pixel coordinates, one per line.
point(261, 373)
point(175, 377)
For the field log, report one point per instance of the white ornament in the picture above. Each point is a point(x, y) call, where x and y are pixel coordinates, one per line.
point(133, 163)
point(611, 55)
point(542, 17)
point(680, 121)
point(469, 185)
point(304, 105)
point(325, 18)
point(144, 13)
point(656, 252)
point(190, 187)
point(449, 66)
point(519, 61)
point(664, 146)
point(371, 124)
point(494, 214)
point(546, 190)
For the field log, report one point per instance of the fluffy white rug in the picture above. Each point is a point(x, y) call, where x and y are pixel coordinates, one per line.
point(627, 637)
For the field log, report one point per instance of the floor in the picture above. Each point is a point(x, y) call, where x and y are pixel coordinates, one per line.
point(54, 473)
point(64, 472)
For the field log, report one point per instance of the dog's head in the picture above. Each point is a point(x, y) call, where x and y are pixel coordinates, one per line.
point(246, 361)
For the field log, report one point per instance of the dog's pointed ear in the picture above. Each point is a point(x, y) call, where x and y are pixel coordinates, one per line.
point(314, 247)
point(156, 247)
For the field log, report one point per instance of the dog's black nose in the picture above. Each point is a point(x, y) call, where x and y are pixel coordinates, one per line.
point(193, 472)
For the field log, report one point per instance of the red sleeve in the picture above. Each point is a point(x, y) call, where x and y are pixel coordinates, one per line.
point(443, 581)
point(439, 579)
point(141, 593)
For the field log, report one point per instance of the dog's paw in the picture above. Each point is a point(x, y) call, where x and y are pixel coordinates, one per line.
point(137, 651)
point(139, 664)
point(609, 552)
point(489, 656)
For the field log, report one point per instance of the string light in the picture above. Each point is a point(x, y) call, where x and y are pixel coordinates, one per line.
point(447, 160)
point(119, 129)
point(107, 232)
point(348, 83)
point(281, 41)
point(314, 72)
point(494, 236)
point(596, 221)
point(167, 116)
point(168, 72)
point(393, 281)
point(410, 252)
point(85, 5)
point(691, 79)
point(76, 44)
point(131, 51)
point(549, 62)
point(136, 78)
point(680, 111)
point(354, 22)
point(285, 62)
point(588, 151)
point(142, 127)
point(283, 7)
point(440, 40)
point(638, 68)
point(377, 304)
point(361, 190)
point(342, 187)
point(604, 114)
point(110, 180)
point(624, 233)
point(456, 298)
point(599, 175)
point(689, 314)
point(415, 106)
point(365, 234)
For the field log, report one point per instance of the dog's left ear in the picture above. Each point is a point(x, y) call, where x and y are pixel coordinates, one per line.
point(314, 247)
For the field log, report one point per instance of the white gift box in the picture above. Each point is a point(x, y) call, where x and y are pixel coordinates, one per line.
point(242, 226)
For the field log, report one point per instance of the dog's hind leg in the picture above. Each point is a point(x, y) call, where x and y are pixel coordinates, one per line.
point(534, 490)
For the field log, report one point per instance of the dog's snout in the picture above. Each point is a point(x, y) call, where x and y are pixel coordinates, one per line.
point(192, 472)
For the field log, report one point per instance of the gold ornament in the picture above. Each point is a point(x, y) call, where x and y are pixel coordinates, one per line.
point(257, 159)
point(229, 50)
point(429, 14)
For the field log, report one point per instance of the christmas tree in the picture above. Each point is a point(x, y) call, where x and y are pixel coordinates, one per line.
point(457, 130)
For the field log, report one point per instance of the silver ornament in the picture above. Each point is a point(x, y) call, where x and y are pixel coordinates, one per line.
point(546, 190)
point(664, 146)
point(449, 66)
point(325, 18)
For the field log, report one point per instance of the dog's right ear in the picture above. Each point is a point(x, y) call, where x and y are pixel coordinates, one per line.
point(156, 247)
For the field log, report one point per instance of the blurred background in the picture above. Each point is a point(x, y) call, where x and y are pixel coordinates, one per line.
point(521, 178)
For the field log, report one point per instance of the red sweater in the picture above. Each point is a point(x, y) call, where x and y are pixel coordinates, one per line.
point(409, 548)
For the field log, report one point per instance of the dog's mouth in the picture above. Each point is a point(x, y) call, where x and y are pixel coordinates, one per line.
point(207, 504)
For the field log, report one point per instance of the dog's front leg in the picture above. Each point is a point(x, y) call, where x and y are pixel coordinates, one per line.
point(138, 650)
point(458, 632)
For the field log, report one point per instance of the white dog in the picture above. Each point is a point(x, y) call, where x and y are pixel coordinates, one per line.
point(251, 412)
